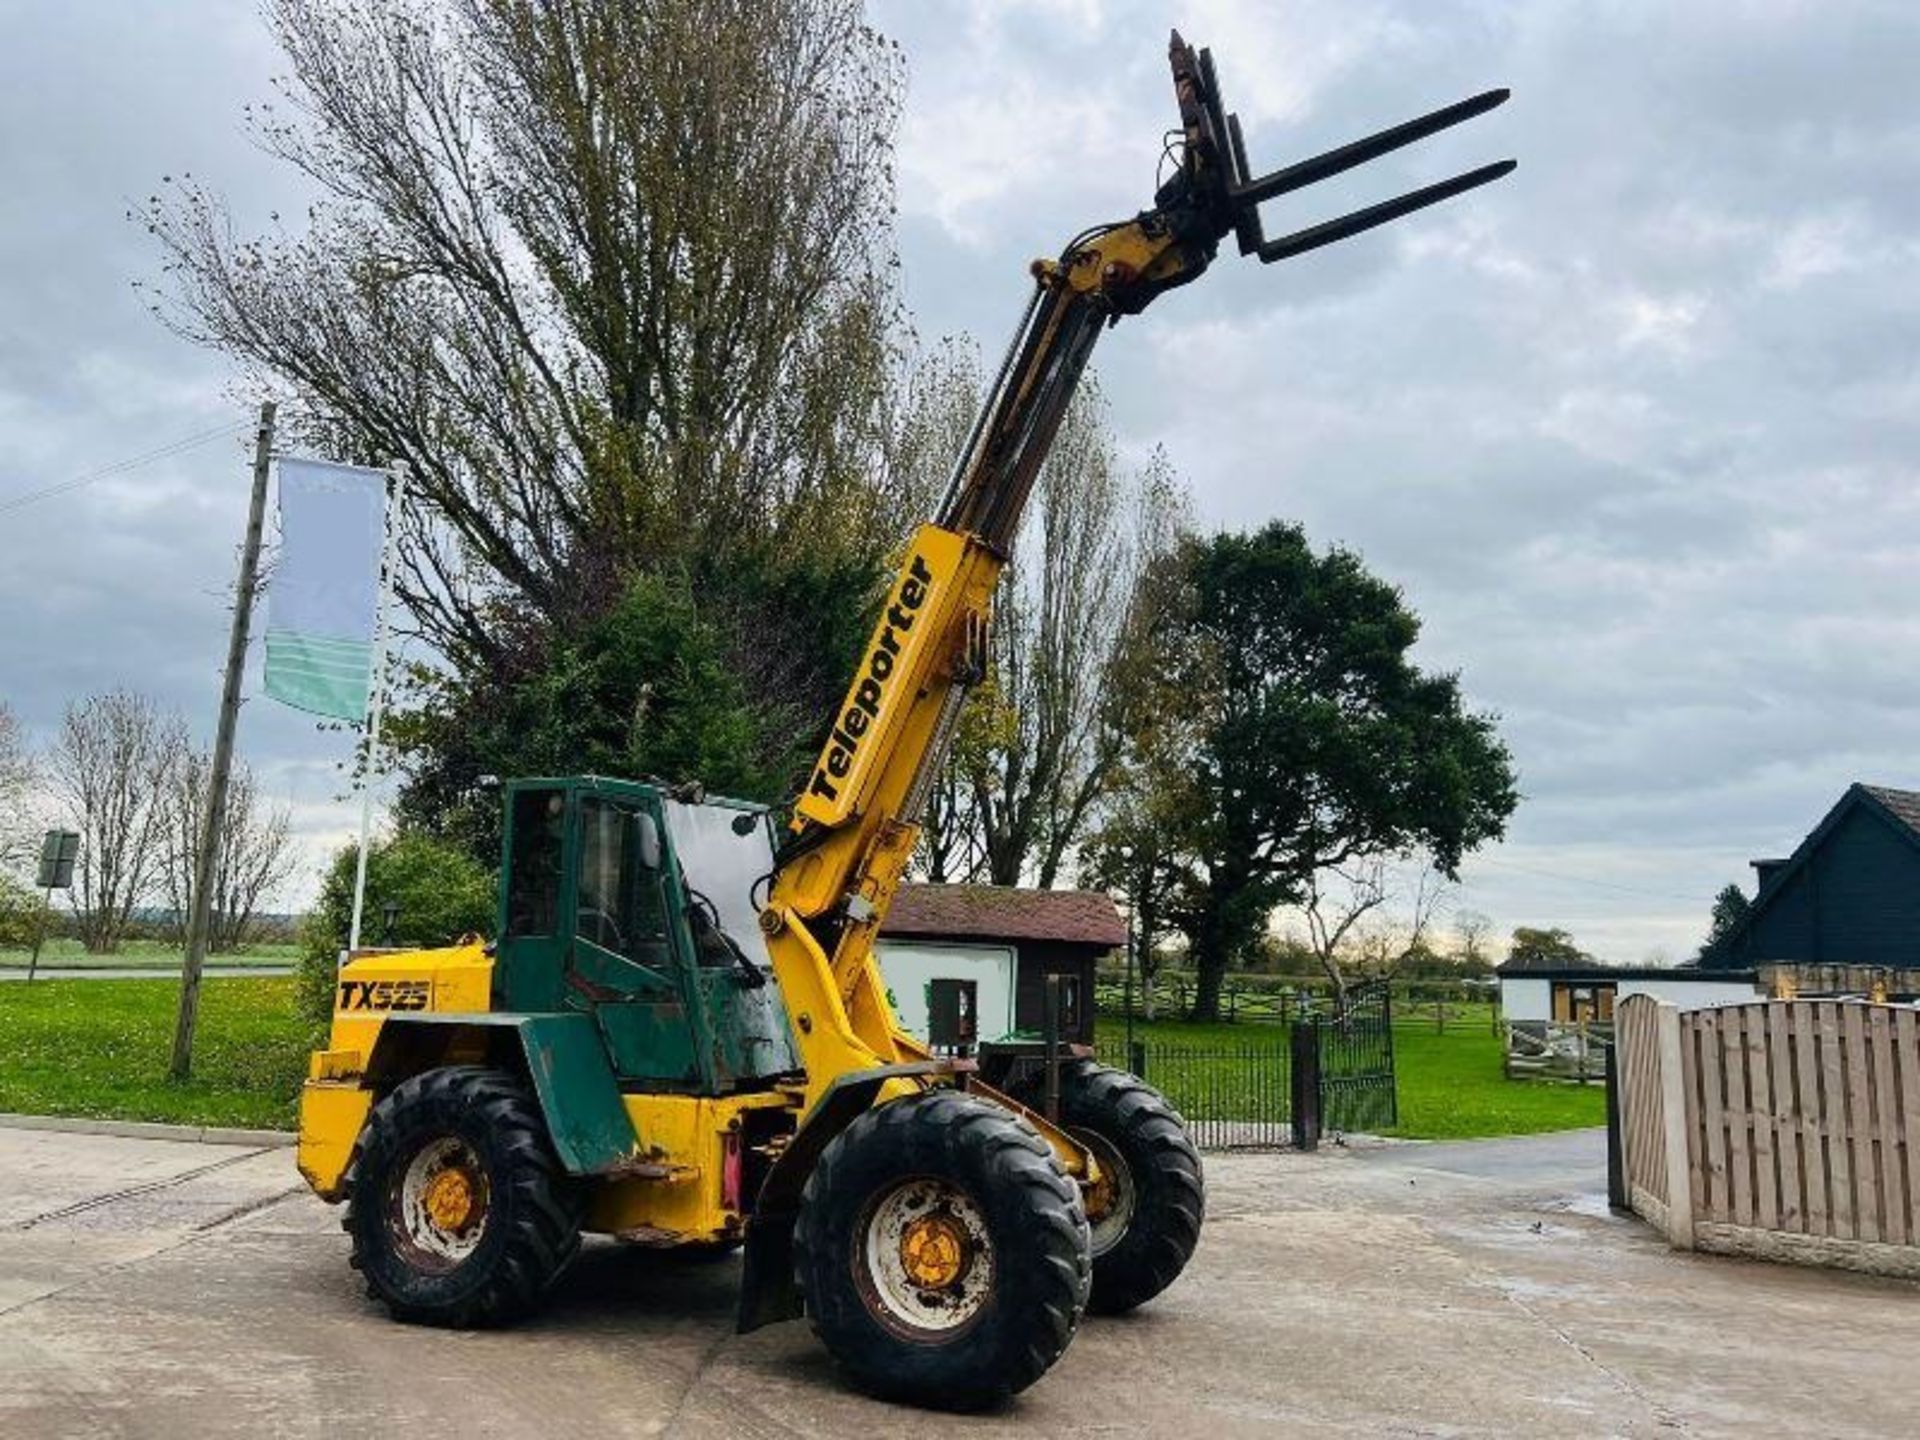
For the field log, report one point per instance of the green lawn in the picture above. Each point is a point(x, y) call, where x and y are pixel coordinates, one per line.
point(155, 955)
point(99, 1048)
point(1451, 1085)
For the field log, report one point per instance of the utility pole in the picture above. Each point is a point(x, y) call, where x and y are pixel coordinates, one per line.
point(214, 815)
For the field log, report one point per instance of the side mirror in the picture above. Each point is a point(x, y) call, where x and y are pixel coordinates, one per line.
point(649, 831)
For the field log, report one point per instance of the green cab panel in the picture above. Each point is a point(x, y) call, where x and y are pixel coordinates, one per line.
point(566, 1061)
point(651, 1041)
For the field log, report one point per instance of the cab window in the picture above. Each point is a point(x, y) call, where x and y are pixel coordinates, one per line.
point(618, 899)
point(533, 878)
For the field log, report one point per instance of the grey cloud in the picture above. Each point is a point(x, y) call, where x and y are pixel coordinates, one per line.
point(1634, 429)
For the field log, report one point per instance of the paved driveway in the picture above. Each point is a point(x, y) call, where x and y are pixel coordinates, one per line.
point(161, 1288)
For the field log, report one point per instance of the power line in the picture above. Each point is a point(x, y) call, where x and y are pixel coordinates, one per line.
point(1584, 880)
point(121, 467)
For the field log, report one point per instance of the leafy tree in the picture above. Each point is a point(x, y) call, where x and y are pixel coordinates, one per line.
point(1545, 950)
point(1310, 739)
point(1730, 907)
point(439, 893)
point(647, 688)
point(1133, 846)
point(615, 278)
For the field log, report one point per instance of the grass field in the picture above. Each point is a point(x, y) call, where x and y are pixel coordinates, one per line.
point(1451, 1085)
point(155, 955)
point(99, 1048)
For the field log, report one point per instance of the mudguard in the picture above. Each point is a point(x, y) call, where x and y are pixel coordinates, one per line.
point(562, 1056)
point(767, 1290)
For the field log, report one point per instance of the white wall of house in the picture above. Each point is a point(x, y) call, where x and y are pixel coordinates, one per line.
point(1525, 999)
point(1692, 993)
point(1522, 997)
point(907, 966)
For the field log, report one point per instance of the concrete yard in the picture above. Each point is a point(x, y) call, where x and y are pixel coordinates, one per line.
point(161, 1288)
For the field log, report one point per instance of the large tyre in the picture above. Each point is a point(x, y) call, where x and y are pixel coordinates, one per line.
point(1155, 1194)
point(942, 1252)
point(459, 1212)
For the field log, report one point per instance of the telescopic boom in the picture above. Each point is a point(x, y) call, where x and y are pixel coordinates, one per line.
point(856, 822)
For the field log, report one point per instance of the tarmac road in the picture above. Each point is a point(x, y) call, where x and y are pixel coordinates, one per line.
point(161, 1288)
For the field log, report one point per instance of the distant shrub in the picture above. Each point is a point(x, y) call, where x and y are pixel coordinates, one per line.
point(24, 916)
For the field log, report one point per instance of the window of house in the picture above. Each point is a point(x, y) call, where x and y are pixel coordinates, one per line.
point(1583, 1002)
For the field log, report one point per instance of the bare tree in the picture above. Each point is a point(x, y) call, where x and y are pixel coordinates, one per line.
point(1471, 930)
point(109, 771)
point(253, 854)
point(1362, 920)
point(615, 279)
point(937, 406)
point(1050, 754)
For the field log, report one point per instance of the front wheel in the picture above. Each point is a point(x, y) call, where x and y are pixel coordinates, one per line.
point(459, 1212)
point(942, 1252)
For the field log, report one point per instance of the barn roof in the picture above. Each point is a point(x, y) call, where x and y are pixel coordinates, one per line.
point(1899, 809)
point(1004, 912)
point(1903, 805)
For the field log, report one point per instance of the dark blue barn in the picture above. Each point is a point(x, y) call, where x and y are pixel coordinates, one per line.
point(1849, 895)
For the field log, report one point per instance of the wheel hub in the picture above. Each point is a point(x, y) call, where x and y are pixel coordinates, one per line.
point(1111, 1200)
point(449, 1199)
point(934, 1251)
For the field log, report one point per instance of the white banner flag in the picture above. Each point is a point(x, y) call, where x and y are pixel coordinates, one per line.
point(325, 592)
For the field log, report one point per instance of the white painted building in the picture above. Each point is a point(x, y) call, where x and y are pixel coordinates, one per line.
point(1590, 992)
point(1007, 941)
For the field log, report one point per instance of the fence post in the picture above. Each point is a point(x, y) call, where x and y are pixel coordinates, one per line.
point(1618, 1200)
point(1305, 1082)
point(1050, 1036)
point(1673, 1108)
point(1137, 1057)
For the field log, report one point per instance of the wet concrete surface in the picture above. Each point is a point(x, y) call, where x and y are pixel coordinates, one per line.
point(156, 1288)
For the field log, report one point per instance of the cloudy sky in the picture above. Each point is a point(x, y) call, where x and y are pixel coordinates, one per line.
point(1634, 429)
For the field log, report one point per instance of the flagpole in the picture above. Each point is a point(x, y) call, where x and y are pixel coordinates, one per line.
point(396, 508)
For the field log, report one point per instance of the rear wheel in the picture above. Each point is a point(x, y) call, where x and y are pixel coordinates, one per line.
point(1151, 1198)
point(942, 1252)
point(459, 1212)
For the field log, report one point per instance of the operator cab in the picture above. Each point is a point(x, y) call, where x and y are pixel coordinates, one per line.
point(626, 902)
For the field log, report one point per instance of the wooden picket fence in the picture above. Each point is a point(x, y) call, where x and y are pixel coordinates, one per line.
point(1786, 1129)
point(1557, 1049)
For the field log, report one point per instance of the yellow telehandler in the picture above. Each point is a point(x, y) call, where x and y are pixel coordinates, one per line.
point(680, 1036)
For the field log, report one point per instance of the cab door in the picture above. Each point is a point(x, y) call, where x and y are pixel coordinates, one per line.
point(535, 932)
point(620, 966)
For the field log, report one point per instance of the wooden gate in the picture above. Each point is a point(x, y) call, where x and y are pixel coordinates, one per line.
point(1788, 1129)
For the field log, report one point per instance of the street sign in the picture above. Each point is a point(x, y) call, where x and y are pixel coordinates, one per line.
point(58, 851)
